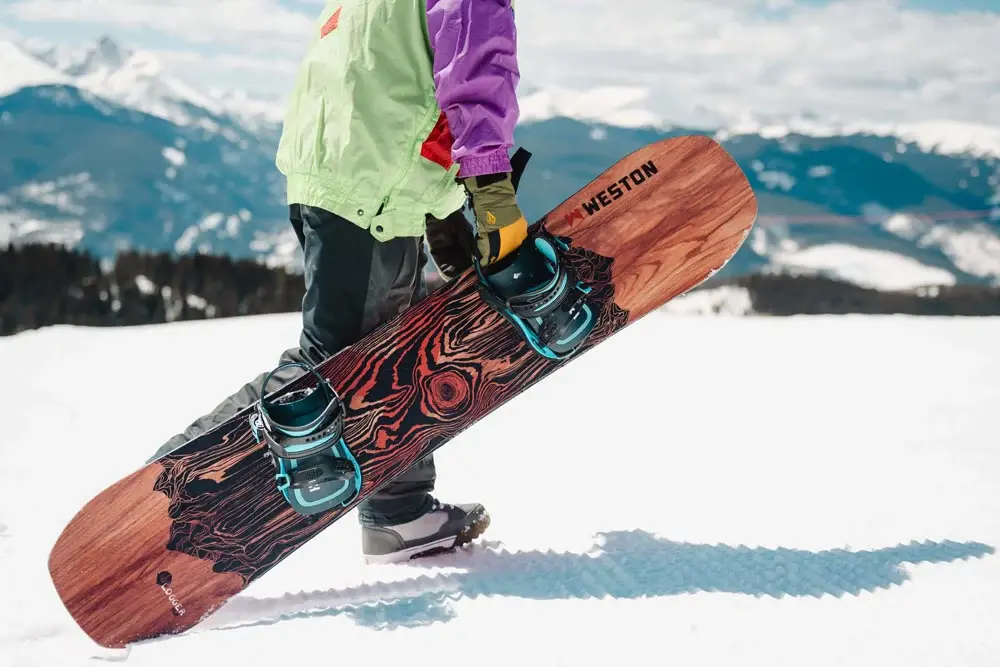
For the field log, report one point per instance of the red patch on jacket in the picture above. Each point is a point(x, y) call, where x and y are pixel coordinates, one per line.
point(331, 24)
point(437, 146)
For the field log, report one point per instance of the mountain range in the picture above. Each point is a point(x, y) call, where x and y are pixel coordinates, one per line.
point(103, 149)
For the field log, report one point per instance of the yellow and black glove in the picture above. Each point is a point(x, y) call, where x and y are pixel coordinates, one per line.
point(500, 225)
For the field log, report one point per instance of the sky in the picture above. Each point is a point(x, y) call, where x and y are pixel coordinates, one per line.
point(693, 61)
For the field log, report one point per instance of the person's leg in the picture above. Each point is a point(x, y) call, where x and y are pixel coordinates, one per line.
point(355, 284)
point(352, 284)
point(250, 392)
point(377, 282)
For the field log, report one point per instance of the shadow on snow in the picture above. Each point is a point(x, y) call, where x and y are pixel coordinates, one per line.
point(625, 565)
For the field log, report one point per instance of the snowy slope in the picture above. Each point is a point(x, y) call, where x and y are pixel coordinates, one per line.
point(801, 491)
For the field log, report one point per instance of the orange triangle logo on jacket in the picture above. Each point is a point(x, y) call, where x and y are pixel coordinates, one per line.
point(331, 24)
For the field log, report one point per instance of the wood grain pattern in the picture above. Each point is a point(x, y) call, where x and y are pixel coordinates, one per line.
point(207, 518)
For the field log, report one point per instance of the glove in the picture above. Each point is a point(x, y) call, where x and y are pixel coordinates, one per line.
point(451, 242)
point(500, 225)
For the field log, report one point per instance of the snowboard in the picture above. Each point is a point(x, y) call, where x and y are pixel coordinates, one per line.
point(160, 550)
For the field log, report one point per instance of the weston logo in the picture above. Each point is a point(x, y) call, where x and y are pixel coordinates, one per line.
point(163, 580)
point(620, 188)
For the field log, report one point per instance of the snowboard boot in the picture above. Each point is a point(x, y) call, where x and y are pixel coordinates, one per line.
point(441, 529)
point(542, 297)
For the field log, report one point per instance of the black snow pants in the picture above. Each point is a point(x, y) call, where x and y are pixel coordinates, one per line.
point(353, 283)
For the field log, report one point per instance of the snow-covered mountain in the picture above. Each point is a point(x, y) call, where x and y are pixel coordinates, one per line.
point(881, 211)
point(103, 148)
point(626, 106)
point(136, 79)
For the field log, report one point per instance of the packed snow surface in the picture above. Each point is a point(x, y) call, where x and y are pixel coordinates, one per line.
point(694, 491)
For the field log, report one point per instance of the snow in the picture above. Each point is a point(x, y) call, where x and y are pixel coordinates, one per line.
point(185, 241)
point(254, 112)
point(621, 106)
point(232, 227)
point(598, 133)
point(868, 267)
point(145, 285)
point(200, 303)
point(135, 79)
point(949, 136)
point(280, 247)
point(139, 82)
point(642, 99)
point(789, 491)
point(65, 220)
point(777, 179)
point(66, 195)
point(21, 227)
point(944, 136)
point(975, 249)
point(21, 69)
point(971, 245)
point(906, 226)
point(100, 60)
point(725, 300)
point(212, 221)
point(174, 156)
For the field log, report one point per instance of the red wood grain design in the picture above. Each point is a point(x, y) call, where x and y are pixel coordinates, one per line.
point(159, 550)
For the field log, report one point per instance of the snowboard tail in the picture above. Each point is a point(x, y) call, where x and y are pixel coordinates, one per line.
point(163, 548)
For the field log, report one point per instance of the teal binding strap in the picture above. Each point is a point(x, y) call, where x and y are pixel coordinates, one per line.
point(283, 425)
point(303, 433)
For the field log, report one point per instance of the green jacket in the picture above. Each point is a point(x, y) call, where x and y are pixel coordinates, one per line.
point(368, 132)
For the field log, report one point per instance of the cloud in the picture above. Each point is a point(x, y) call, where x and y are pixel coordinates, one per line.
point(225, 62)
point(712, 60)
point(259, 25)
point(250, 44)
point(227, 71)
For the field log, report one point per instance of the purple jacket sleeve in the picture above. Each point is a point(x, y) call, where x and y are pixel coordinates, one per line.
point(475, 76)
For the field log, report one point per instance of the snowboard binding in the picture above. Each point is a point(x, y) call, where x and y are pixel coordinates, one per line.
point(303, 430)
point(537, 292)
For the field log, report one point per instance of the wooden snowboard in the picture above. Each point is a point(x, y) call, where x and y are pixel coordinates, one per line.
point(166, 546)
